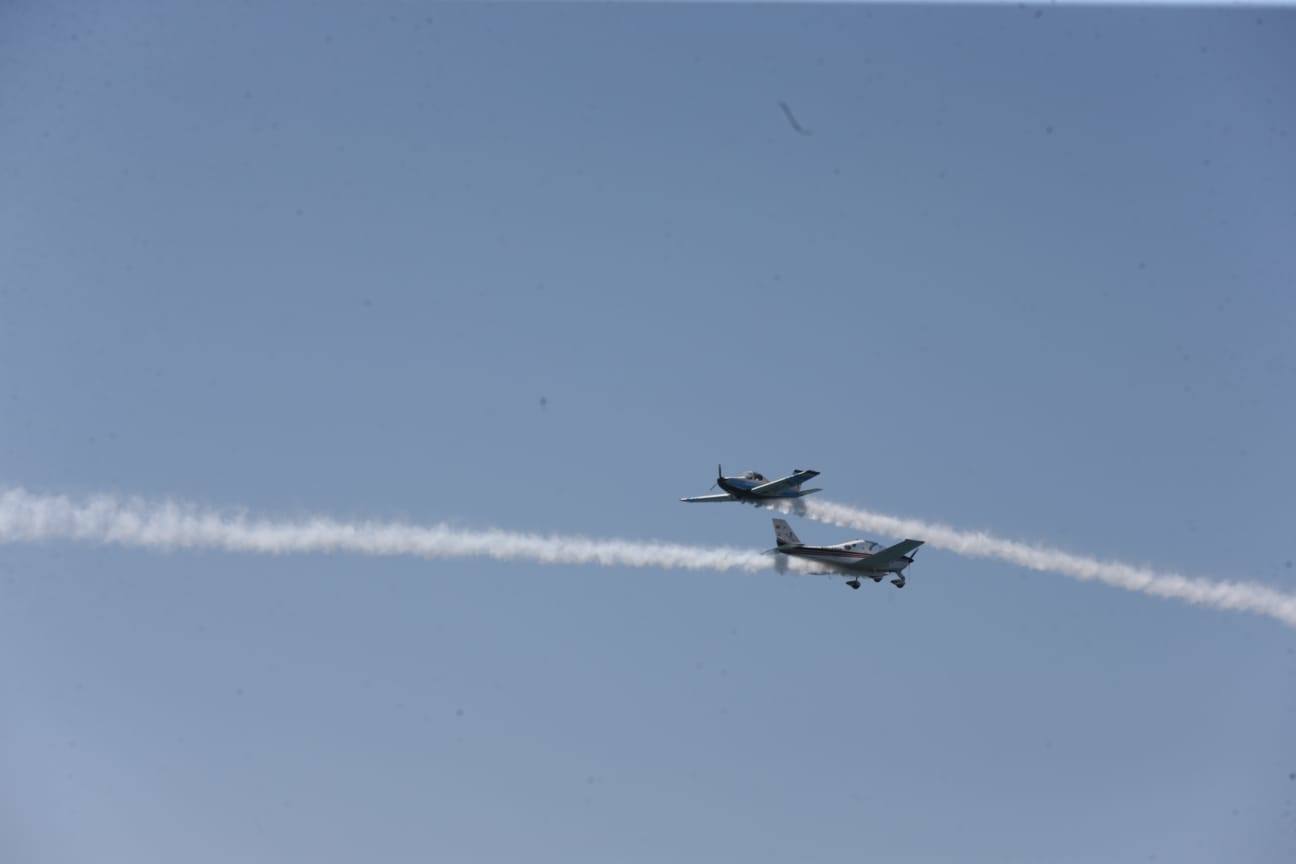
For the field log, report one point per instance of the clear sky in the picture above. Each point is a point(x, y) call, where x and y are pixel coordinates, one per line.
point(1031, 270)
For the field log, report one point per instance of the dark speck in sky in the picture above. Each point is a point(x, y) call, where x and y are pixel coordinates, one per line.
point(792, 121)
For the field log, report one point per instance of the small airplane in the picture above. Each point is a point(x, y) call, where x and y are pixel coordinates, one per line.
point(854, 558)
point(752, 487)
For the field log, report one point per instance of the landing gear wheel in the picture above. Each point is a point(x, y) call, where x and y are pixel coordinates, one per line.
point(854, 583)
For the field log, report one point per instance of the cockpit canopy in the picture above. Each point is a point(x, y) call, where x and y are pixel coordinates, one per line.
point(754, 475)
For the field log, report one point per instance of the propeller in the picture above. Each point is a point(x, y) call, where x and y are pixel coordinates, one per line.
point(719, 474)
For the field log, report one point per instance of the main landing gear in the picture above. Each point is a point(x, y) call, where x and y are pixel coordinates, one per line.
point(898, 581)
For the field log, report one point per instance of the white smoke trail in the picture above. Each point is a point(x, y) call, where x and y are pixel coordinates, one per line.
point(1242, 596)
point(134, 522)
point(26, 516)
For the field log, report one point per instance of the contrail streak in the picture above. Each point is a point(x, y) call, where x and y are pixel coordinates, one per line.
point(133, 522)
point(167, 525)
point(1241, 596)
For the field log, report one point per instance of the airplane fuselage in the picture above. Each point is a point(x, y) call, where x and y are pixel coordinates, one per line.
point(740, 488)
point(847, 560)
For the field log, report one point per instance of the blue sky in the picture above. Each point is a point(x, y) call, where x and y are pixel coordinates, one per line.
point(1029, 273)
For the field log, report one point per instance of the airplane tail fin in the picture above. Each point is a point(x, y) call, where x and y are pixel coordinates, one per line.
point(784, 534)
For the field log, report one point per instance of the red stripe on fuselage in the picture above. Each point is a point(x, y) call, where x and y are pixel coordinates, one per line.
point(819, 550)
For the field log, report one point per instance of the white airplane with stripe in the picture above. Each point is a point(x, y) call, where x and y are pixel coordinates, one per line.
point(853, 559)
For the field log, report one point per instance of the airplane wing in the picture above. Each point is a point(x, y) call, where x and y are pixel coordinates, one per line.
point(706, 499)
point(891, 553)
point(774, 487)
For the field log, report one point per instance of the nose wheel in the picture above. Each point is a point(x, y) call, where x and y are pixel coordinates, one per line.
point(854, 583)
point(899, 581)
